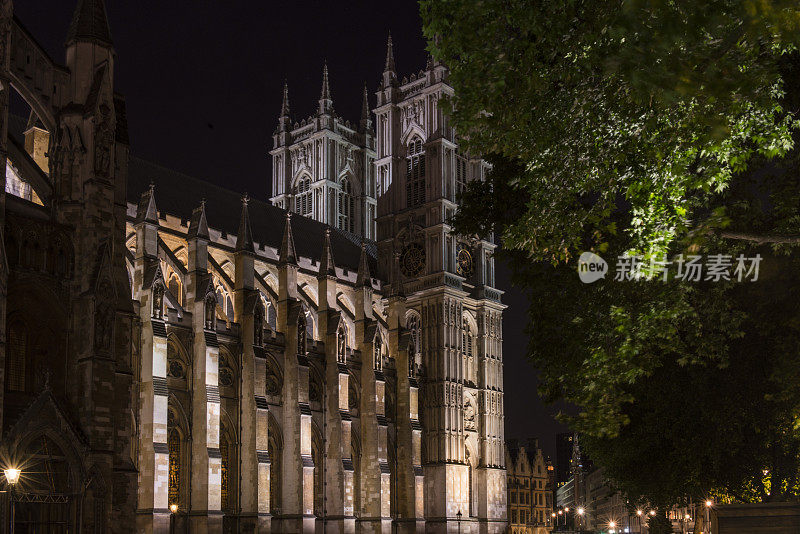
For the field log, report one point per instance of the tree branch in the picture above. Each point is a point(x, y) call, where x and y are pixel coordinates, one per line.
point(761, 239)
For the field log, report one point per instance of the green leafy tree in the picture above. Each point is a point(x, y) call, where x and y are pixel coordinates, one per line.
point(655, 128)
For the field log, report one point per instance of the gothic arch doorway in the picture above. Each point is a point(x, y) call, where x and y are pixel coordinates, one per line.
point(47, 498)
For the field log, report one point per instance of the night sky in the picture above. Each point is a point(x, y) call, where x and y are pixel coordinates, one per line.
point(203, 82)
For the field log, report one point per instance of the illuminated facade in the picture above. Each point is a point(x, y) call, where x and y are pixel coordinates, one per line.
point(332, 359)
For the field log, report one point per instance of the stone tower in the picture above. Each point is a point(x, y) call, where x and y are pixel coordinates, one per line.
point(69, 395)
point(323, 167)
point(447, 283)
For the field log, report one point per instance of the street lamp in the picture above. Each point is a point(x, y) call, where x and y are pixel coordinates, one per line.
point(173, 509)
point(458, 516)
point(612, 525)
point(707, 526)
point(581, 511)
point(12, 477)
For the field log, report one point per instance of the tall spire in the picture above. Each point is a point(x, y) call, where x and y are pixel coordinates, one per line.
point(285, 103)
point(363, 278)
point(325, 99)
point(287, 253)
point(366, 115)
point(284, 119)
point(389, 67)
point(244, 238)
point(90, 23)
point(327, 267)
point(389, 74)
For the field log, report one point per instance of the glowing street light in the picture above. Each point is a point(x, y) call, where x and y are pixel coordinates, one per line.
point(581, 511)
point(709, 503)
point(12, 475)
point(638, 512)
point(173, 508)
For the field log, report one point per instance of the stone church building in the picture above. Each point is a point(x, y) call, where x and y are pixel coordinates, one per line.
point(176, 356)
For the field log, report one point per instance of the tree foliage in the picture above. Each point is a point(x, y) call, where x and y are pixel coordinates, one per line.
point(649, 127)
point(643, 100)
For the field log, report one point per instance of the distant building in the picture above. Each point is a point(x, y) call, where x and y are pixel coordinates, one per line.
point(564, 442)
point(529, 489)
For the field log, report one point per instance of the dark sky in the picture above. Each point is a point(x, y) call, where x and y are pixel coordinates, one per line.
point(203, 81)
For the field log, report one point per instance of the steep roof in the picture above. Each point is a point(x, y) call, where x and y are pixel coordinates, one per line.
point(178, 194)
point(90, 23)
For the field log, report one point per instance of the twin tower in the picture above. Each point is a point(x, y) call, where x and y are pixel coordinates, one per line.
point(398, 184)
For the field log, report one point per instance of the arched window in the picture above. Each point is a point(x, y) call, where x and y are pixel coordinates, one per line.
point(224, 452)
point(175, 288)
point(415, 173)
point(303, 202)
point(415, 344)
point(17, 354)
point(346, 206)
point(272, 315)
point(466, 339)
point(174, 447)
point(467, 350)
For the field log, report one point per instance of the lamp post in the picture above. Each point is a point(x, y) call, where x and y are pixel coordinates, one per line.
point(173, 509)
point(12, 477)
point(612, 525)
point(458, 516)
point(581, 511)
point(707, 526)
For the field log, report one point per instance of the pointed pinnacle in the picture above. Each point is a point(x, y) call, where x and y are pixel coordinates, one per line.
point(287, 254)
point(327, 267)
point(244, 238)
point(285, 104)
point(389, 55)
point(326, 91)
point(147, 210)
point(364, 278)
point(365, 107)
point(198, 225)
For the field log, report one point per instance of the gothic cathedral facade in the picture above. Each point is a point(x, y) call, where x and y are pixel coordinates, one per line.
point(328, 361)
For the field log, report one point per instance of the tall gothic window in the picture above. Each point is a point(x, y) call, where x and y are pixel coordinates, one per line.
point(174, 447)
point(461, 174)
point(303, 202)
point(224, 452)
point(346, 206)
point(17, 351)
point(175, 288)
point(415, 173)
point(415, 346)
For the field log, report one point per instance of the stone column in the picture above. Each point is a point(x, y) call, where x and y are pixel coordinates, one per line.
point(153, 477)
point(338, 462)
point(254, 458)
point(373, 459)
point(298, 468)
point(410, 504)
point(206, 479)
point(491, 475)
